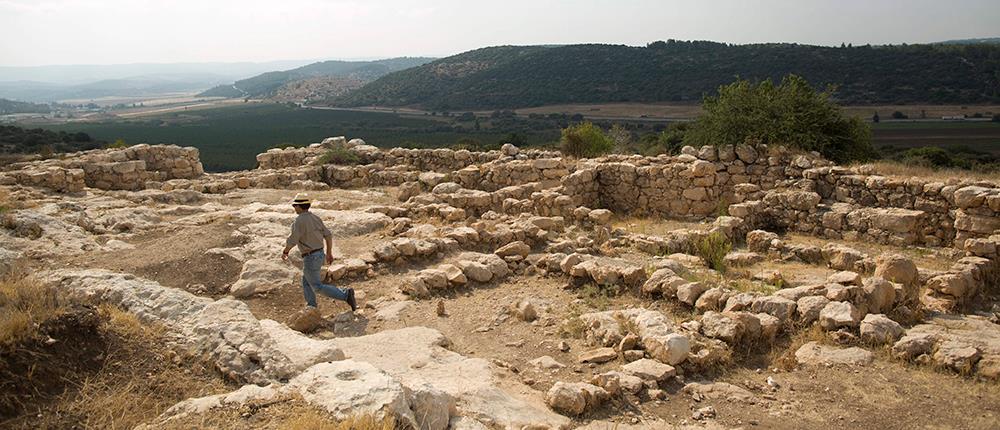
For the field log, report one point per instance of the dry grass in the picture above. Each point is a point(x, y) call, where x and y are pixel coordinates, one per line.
point(128, 391)
point(892, 168)
point(24, 305)
point(316, 420)
point(655, 226)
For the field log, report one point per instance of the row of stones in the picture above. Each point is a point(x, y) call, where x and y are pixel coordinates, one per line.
point(803, 211)
point(115, 169)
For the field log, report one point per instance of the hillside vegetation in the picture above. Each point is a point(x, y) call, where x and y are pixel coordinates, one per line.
point(13, 106)
point(18, 140)
point(677, 71)
point(267, 84)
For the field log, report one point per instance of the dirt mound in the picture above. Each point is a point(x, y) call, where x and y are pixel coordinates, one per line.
point(95, 368)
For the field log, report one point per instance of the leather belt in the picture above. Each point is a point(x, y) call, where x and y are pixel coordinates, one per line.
point(312, 252)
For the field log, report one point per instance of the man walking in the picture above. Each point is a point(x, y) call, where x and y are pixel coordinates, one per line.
point(309, 234)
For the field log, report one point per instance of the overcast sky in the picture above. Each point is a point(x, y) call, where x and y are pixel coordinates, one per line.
point(44, 32)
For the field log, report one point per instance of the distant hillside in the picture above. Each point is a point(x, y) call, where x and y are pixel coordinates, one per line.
point(12, 106)
point(268, 84)
point(675, 71)
point(136, 86)
point(987, 40)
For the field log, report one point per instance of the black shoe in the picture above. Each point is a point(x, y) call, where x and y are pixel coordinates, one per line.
point(351, 300)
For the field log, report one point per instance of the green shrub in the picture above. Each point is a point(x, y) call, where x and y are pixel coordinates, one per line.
point(339, 156)
point(713, 249)
point(120, 143)
point(791, 114)
point(585, 140)
point(929, 156)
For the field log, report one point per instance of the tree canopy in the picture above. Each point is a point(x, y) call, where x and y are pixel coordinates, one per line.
point(791, 113)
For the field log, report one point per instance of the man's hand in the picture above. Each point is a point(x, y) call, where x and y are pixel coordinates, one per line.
point(329, 259)
point(284, 256)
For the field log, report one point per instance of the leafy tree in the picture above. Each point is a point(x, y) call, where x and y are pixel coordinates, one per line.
point(585, 140)
point(791, 113)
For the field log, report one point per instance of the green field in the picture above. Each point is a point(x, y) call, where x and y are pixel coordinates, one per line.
point(975, 136)
point(229, 138)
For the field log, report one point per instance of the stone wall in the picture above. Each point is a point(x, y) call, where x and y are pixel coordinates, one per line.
point(113, 169)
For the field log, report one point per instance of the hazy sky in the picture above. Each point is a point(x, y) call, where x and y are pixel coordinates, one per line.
point(41, 32)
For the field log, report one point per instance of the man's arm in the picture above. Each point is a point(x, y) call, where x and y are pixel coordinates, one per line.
point(293, 239)
point(329, 249)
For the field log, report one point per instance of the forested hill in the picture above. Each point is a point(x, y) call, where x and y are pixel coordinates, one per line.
point(266, 84)
point(676, 71)
point(13, 106)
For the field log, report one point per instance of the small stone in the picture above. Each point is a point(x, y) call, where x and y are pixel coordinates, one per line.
point(599, 355)
point(632, 355)
point(440, 308)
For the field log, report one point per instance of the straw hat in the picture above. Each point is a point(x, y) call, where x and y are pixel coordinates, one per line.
point(302, 199)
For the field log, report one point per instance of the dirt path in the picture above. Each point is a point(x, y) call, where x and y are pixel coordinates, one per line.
point(175, 257)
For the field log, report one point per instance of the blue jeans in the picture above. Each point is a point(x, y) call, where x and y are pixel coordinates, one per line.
point(312, 279)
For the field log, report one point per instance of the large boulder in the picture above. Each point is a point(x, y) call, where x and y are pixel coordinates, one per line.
point(650, 370)
point(349, 388)
point(263, 275)
point(575, 398)
point(306, 320)
point(816, 354)
point(879, 329)
point(839, 314)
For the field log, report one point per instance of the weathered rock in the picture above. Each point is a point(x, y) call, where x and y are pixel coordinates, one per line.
point(809, 308)
point(879, 329)
point(648, 369)
point(517, 248)
point(454, 275)
point(600, 216)
point(306, 320)
point(731, 327)
point(813, 353)
point(845, 277)
point(896, 268)
point(600, 355)
point(741, 259)
point(525, 310)
point(720, 391)
point(546, 362)
point(347, 388)
point(957, 355)
point(575, 398)
point(259, 275)
point(688, 293)
point(475, 271)
point(839, 314)
point(663, 281)
point(779, 307)
point(881, 294)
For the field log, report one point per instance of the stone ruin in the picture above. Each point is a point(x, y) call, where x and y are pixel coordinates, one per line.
point(468, 219)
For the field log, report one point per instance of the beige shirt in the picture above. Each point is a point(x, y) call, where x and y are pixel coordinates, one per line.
point(308, 232)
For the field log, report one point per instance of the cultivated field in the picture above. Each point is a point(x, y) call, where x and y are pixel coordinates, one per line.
point(230, 136)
